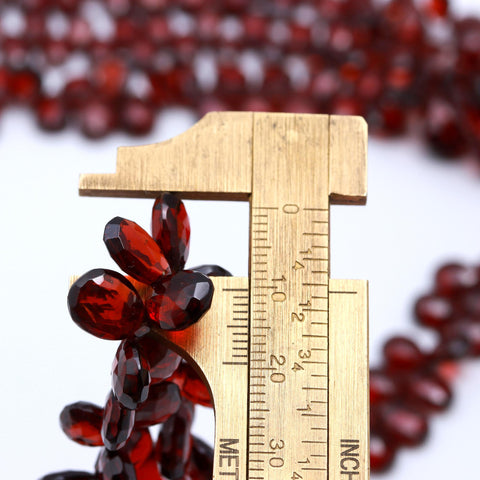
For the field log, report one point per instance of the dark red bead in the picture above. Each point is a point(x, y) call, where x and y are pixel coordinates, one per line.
point(192, 386)
point(117, 424)
point(51, 114)
point(130, 375)
point(24, 86)
point(433, 311)
point(82, 423)
point(171, 229)
point(137, 116)
point(382, 387)
point(401, 353)
point(212, 270)
point(382, 453)
point(97, 119)
point(174, 442)
point(70, 475)
point(163, 401)
point(200, 464)
point(404, 426)
point(139, 447)
point(429, 393)
point(114, 466)
point(109, 76)
point(180, 300)
point(149, 470)
point(134, 250)
point(454, 277)
point(105, 304)
point(80, 34)
point(151, 343)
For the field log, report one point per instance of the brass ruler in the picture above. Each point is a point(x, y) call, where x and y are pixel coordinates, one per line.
point(284, 351)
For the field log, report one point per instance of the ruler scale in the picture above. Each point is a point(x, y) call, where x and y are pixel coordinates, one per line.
point(284, 351)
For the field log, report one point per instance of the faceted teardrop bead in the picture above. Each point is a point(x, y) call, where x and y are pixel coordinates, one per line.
point(429, 393)
point(382, 454)
point(200, 465)
point(105, 304)
point(212, 271)
point(401, 353)
point(404, 426)
point(113, 466)
point(453, 277)
point(82, 423)
point(130, 375)
point(163, 401)
point(117, 424)
point(171, 229)
point(174, 442)
point(134, 250)
point(180, 300)
point(382, 387)
point(163, 361)
point(433, 311)
point(192, 386)
point(70, 475)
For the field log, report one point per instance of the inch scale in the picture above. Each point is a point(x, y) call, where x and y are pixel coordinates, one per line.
point(284, 351)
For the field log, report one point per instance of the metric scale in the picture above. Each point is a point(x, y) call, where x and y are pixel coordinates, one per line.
point(284, 351)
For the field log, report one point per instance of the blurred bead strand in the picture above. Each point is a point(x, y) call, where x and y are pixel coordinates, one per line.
point(403, 64)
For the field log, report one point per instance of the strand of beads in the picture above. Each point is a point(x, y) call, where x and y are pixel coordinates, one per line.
point(116, 63)
point(413, 384)
point(151, 385)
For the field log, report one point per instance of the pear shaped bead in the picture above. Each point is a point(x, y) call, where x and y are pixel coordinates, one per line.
point(212, 270)
point(180, 300)
point(134, 250)
point(163, 401)
point(105, 304)
point(114, 466)
point(117, 424)
point(82, 422)
point(171, 229)
point(192, 386)
point(130, 376)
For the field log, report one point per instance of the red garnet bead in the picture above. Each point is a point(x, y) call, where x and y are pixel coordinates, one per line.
point(97, 118)
point(139, 447)
point(82, 423)
point(105, 304)
point(382, 453)
point(137, 116)
point(163, 361)
point(174, 442)
point(404, 426)
point(382, 387)
point(130, 376)
point(401, 353)
point(51, 114)
point(134, 250)
point(192, 386)
point(70, 475)
point(171, 229)
point(452, 278)
point(180, 300)
point(117, 424)
point(163, 401)
point(433, 311)
point(200, 464)
point(429, 393)
point(113, 466)
point(212, 271)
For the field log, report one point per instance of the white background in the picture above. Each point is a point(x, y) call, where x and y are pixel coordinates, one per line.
point(420, 213)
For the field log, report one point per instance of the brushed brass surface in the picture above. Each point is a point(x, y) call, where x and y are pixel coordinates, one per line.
point(284, 351)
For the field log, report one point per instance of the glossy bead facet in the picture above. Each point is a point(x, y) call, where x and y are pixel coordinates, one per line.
point(105, 304)
point(382, 387)
point(382, 453)
point(117, 424)
point(454, 277)
point(114, 466)
point(403, 354)
point(82, 423)
point(433, 311)
point(171, 229)
point(180, 300)
point(134, 250)
point(405, 426)
point(429, 393)
point(162, 361)
point(163, 401)
point(192, 386)
point(212, 270)
point(174, 442)
point(130, 376)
